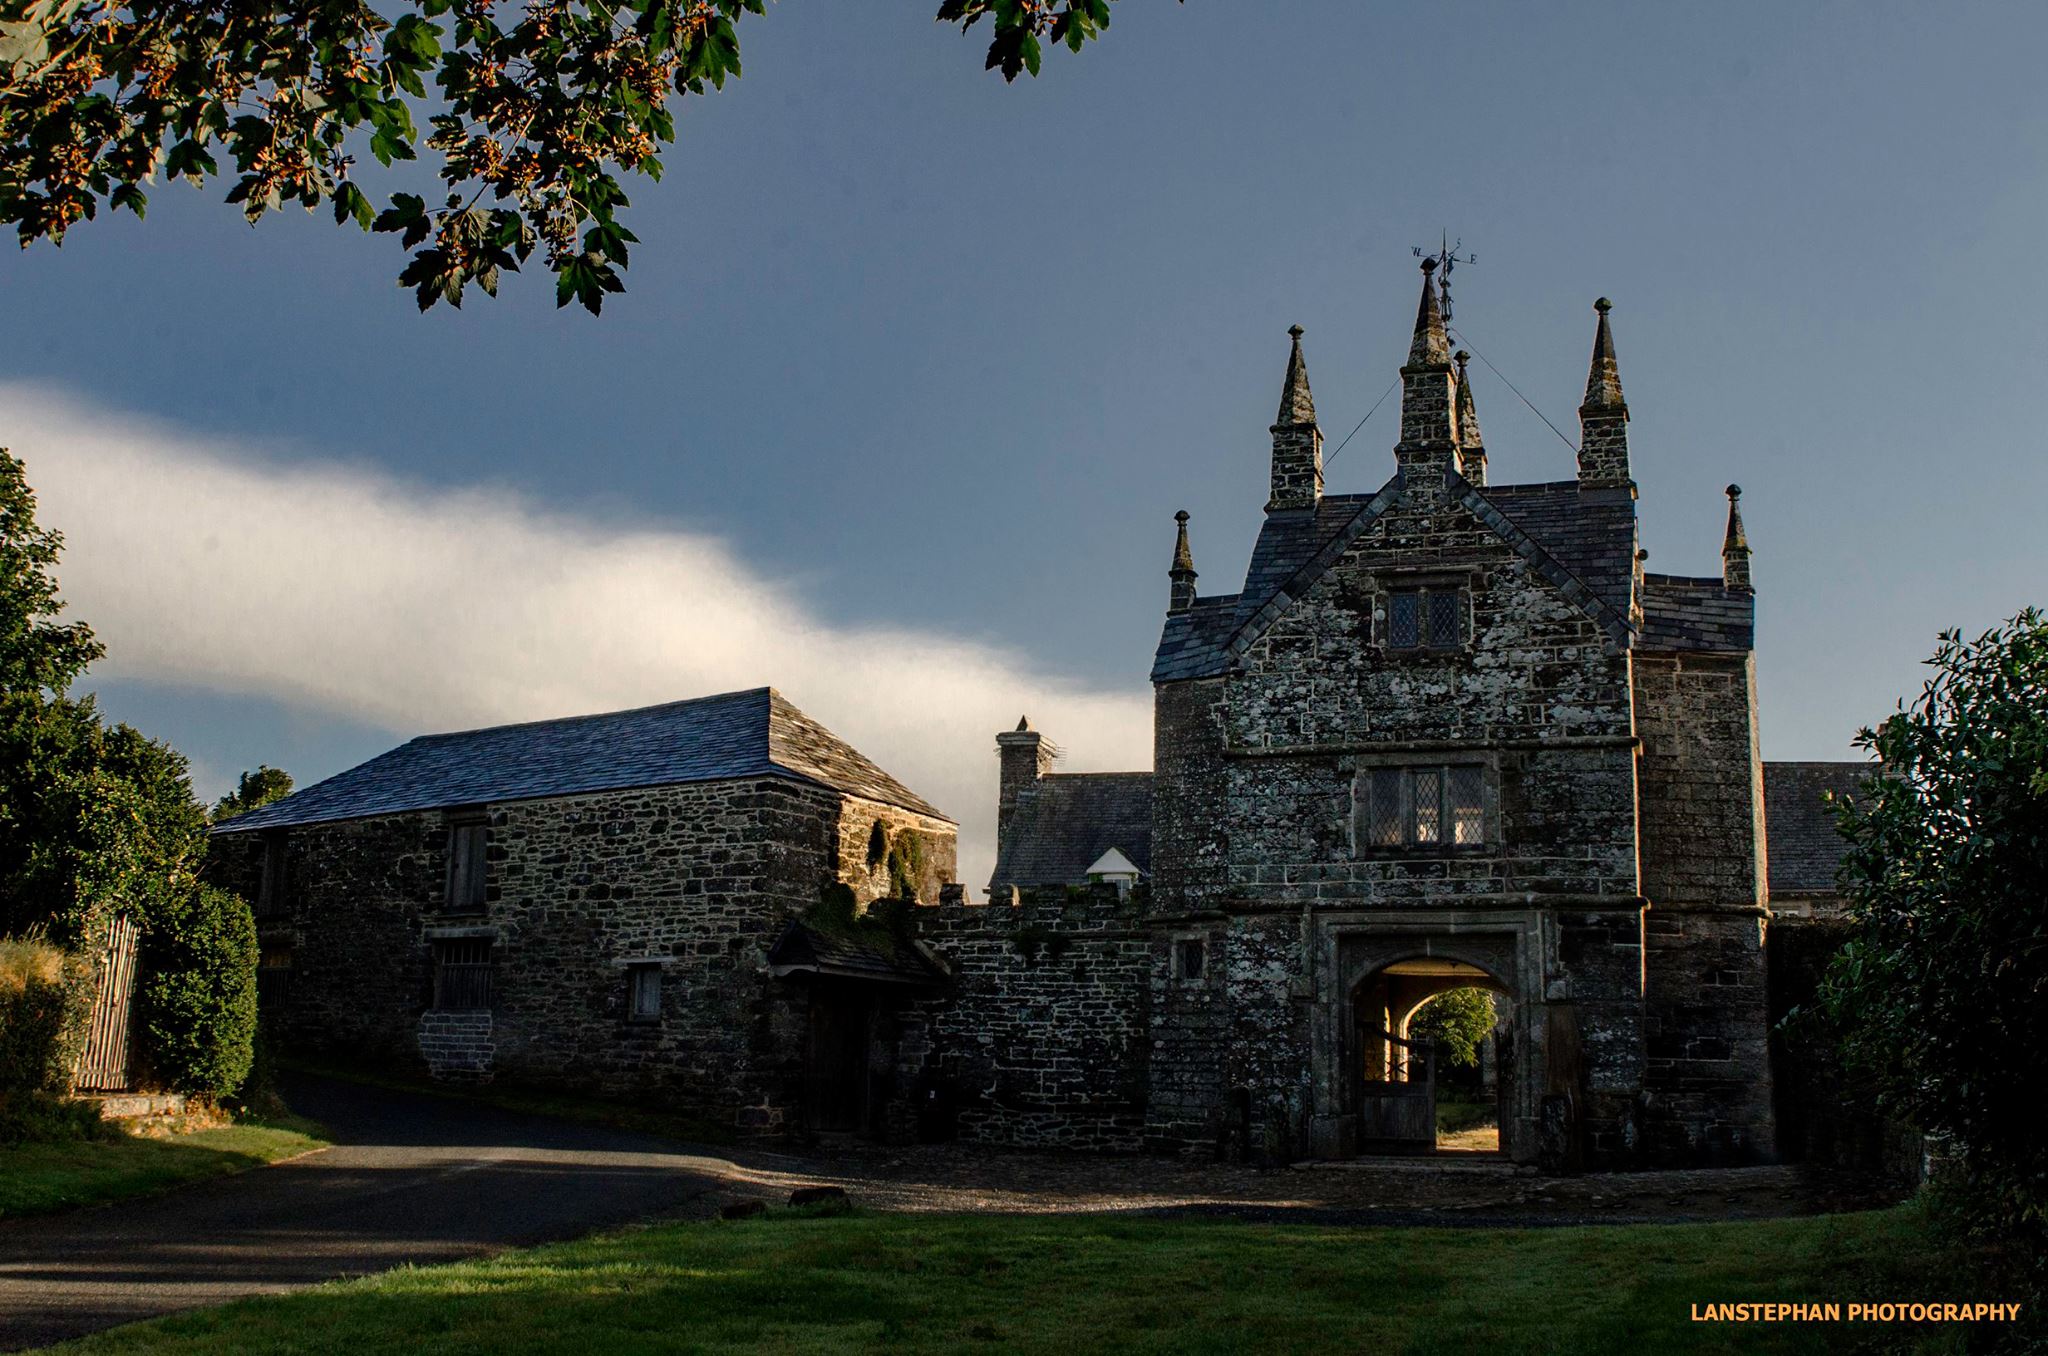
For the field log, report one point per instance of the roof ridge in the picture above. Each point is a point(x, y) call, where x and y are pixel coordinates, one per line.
point(1714, 579)
point(891, 791)
point(590, 715)
point(1049, 776)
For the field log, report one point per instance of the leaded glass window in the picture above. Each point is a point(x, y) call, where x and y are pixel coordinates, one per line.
point(1429, 804)
point(1423, 807)
point(1388, 813)
point(1427, 618)
point(1404, 627)
point(1445, 612)
point(1465, 804)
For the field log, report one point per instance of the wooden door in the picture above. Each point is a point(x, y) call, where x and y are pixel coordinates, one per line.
point(1399, 1115)
point(836, 1082)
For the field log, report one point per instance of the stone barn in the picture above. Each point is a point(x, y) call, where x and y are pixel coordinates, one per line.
point(611, 902)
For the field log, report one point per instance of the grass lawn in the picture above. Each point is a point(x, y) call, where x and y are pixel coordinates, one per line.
point(36, 1178)
point(785, 1282)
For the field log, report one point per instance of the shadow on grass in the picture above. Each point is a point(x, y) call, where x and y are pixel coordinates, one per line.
point(1068, 1284)
point(37, 1178)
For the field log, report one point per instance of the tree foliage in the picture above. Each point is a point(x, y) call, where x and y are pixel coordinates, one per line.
point(1941, 992)
point(92, 816)
point(536, 114)
point(254, 791)
point(98, 820)
point(1459, 1021)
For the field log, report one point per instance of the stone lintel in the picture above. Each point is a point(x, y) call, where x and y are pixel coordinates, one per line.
point(1562, 742)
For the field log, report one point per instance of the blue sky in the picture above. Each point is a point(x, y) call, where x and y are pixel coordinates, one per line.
point(937, 358)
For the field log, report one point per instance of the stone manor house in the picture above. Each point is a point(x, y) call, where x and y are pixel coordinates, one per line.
point(1448, 733)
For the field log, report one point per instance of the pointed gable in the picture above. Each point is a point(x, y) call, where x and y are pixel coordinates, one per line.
point(1580, 538)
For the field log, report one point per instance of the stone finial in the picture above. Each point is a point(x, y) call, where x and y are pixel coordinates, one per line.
point(1297, 441)
point(1182, 572)
point(1603, 380)
point(1297, 406)
point(1428, 448)
point(1429, 346)
point(1471, 443)
point(1603, 418)
point(1735, 545)
point(1023, 722)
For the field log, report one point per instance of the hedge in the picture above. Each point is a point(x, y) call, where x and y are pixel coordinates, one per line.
point(198, 999)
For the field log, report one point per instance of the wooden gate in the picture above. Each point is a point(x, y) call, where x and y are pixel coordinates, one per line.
point(1399, 1116)
point(103, 1064)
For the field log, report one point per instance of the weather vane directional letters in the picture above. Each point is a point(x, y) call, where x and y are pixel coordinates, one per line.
point(1447, 257)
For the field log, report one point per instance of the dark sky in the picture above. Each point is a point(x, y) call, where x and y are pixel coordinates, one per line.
point(935, 352)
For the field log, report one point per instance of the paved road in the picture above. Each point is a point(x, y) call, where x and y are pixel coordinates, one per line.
point(410, 1179)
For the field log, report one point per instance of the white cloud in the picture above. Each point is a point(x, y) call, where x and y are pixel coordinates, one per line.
point(423, 609)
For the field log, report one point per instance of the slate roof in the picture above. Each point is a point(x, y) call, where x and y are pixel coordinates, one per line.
point(1697, 614)
point(1799, 825)
point(1066, 820)
point(1590, 531)
point(879, 957)
point(756, 733)
point(1583, 539)
point(1204, 639)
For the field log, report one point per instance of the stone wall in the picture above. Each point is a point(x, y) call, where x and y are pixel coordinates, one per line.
point(695, 881)
point(1707, 1025)
point(1041, 1039)
point(864, 853)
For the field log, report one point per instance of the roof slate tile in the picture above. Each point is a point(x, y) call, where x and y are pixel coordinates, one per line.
point(756, 733)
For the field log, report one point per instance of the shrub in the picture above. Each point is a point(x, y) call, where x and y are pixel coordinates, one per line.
point(42, 1011)
point(198, 1005)
point(42, 1008)
point(1940, 995)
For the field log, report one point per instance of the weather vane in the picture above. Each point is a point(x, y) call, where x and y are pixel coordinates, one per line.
point(1447, 257)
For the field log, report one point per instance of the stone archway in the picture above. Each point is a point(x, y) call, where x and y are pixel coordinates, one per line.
point(1420, 956)
point(1396, 1074)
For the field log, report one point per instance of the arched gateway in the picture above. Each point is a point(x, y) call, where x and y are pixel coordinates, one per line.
point(1370, 1092)
point(1393, 1074)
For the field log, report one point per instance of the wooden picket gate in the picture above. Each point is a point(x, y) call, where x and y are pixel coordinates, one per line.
point(103, 1064)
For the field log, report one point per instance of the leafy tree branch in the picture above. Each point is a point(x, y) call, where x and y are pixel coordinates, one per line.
point(539, 109)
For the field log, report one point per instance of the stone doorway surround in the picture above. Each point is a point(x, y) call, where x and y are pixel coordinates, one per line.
point(1348, 949)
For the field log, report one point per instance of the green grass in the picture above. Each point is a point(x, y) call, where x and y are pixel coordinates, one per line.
point(39, 1177)
point(1069, 1284)
point(1455, 1113)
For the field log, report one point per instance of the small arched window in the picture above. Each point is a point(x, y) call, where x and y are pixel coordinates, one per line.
point(878, 845)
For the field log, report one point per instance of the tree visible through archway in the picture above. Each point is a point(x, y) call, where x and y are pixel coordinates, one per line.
point(1460, 1023)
